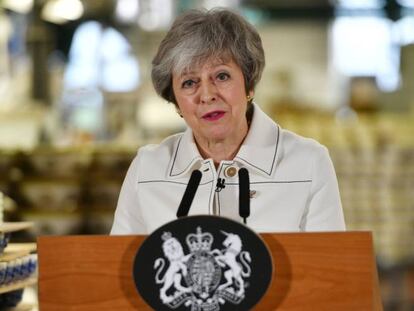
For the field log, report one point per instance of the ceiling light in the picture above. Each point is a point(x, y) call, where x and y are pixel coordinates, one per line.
point(127, 10)
point(62, 11)
point(21, 6)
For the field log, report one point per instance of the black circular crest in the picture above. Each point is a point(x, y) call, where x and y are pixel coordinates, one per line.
point(202, 263)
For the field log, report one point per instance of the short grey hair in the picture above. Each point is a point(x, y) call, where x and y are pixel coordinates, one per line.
point(198, 36)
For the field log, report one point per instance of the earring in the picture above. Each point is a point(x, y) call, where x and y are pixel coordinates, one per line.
point(249, 98)
point(178, 112)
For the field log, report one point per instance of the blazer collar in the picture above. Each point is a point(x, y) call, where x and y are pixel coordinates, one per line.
point(258, 151)
point(185, 156)
point(260, 148)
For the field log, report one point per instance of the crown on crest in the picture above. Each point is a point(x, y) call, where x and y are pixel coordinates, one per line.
point(199, 241)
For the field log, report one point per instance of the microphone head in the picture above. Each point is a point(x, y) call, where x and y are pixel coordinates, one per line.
point(189, 193)
point(196, 174)
point(244, 193)
point(243, 173)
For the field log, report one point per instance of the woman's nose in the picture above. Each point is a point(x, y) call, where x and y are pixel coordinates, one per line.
point(208, 93)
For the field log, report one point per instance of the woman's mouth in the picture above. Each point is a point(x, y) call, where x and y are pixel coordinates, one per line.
point(214, 115)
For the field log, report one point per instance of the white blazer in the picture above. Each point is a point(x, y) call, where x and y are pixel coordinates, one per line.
point(292, 182)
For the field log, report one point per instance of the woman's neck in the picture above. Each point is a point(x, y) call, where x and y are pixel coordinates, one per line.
point(220, 150)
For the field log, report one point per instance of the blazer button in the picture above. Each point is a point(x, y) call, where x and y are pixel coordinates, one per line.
point(230, 171)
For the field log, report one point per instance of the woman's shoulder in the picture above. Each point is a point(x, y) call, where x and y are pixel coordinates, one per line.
point(292, 141)
point(299, 156)
point(164, 149)
point(152, 160)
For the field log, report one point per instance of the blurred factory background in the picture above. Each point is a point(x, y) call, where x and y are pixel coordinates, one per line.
point(76, 102)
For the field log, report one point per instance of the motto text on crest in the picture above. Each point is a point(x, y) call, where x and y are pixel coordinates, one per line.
point(204, 278)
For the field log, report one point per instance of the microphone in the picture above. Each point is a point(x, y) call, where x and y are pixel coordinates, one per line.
point(220, 184)
point(244, 194)
point(189, 194)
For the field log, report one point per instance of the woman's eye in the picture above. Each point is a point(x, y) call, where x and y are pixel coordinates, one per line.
point(187, 84)
point(223, 76)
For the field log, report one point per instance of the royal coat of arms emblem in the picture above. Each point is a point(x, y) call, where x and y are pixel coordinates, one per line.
point(202, 263)
point(205, 278)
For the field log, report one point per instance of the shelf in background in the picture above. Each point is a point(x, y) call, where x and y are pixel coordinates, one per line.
point(22, 307)
point(14, 226)
point(17, 250)
point(18, 285)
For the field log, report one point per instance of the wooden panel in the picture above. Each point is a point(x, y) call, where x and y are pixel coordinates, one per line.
point(313, 271)
point(319, 271)
point(81, 273)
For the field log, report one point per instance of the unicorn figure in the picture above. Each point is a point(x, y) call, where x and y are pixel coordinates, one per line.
point(229, 257)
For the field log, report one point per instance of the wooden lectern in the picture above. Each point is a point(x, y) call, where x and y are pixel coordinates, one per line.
point(312, 271)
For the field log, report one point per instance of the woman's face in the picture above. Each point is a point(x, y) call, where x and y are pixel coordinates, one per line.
point(212, 100)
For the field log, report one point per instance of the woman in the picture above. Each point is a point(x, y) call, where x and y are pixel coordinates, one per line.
point(208, 66)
